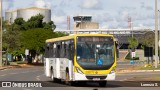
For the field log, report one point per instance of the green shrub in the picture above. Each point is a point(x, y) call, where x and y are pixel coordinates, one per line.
point(128, 57)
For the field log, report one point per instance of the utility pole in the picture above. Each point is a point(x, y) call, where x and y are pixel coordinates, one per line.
point(130, 24)
point(1, 32)
point(159, 33)
point(156, 34)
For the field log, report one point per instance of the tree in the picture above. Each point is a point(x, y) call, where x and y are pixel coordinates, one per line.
point(61, 34)
point(148, 39)
point(34, 39)
point(19, 24)
point(35, 22)
point(19, 21)
point(29, 34)
point(11, 40)
point(11, 37)
point(49, 26)
point(133, 43)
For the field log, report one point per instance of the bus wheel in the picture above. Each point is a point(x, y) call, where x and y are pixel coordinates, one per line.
point(52, 76)
point(102, 83)
point(67, 78)
point(72, 83)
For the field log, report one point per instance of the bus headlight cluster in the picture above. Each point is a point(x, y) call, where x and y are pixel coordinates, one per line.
point(113, 70)
point(78, 70)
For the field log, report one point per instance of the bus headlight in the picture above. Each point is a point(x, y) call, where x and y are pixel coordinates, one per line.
point(113, 70)
point(78, 70)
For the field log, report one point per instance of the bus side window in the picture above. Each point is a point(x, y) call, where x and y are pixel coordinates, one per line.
point(71, 50)
point(58, 51)
point(65, 50)
point(50, 51)
point(117, 49)
point(46, 51)
point(62, 50)
point(54, 50)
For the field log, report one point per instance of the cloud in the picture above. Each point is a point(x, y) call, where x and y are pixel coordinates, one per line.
point(149, 8)
point(40, 3)
point(139, 18)
point(59, 19)
point(113, 24)
point(59, 16)
point(142, 5)
point(59, 12)
point(128, 8)
point(7, 5)
point(103, 17)
point(122, 16)
point(91, 4)
point(104, 26)
point(107, 20)
point(48, 3)
point(43, 3)
point(65, 2)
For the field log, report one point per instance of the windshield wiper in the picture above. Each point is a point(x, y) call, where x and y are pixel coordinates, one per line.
point(89, 48)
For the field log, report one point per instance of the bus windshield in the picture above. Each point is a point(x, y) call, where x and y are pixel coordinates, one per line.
point(95, 53)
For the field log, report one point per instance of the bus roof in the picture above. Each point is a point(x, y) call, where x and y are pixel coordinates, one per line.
point(75, 35)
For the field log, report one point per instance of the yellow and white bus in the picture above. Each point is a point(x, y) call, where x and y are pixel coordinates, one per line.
point(81, 57)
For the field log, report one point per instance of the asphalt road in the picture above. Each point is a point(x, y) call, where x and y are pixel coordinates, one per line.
point(37, 74)
point(126, 64)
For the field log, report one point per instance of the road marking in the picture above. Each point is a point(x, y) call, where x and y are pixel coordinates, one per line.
point(4, 70)
point(3, 75)
point(38, 77)
point(13, 73)
point(18, 73)
point(24, 72)
point(27, 89)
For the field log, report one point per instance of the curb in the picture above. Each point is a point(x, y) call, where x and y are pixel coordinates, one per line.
point(127, 71)
point(15, 66)
point(3, 68)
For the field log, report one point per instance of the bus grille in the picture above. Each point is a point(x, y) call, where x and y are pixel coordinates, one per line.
point(91, 77)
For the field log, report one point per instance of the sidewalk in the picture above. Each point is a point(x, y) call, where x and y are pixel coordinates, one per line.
point(129, 71)
point(16, 66)
point(2, 68)
point(137, 69)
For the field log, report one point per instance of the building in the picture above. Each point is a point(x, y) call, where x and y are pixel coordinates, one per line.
point(27, 13)
point(10, 16)
point(84, 22)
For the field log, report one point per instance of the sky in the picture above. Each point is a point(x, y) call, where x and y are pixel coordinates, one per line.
point(110, 14)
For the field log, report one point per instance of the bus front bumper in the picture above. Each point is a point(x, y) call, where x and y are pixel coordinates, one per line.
point(86, 77)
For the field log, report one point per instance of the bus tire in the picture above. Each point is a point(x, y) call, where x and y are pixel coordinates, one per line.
point(102, 83)
point(72, 83)
point(67, 78)
point(52, 75)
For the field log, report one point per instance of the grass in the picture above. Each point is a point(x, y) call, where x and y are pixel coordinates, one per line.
point(150, 68)
point(22, 62)
point(157, 77)
point(128, 57)
point(145, 78)
point(18, 62)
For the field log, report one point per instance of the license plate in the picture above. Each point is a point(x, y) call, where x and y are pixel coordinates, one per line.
point(96, 79)
point(89, 72)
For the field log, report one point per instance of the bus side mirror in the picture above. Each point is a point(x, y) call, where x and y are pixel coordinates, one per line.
point(117, 49)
